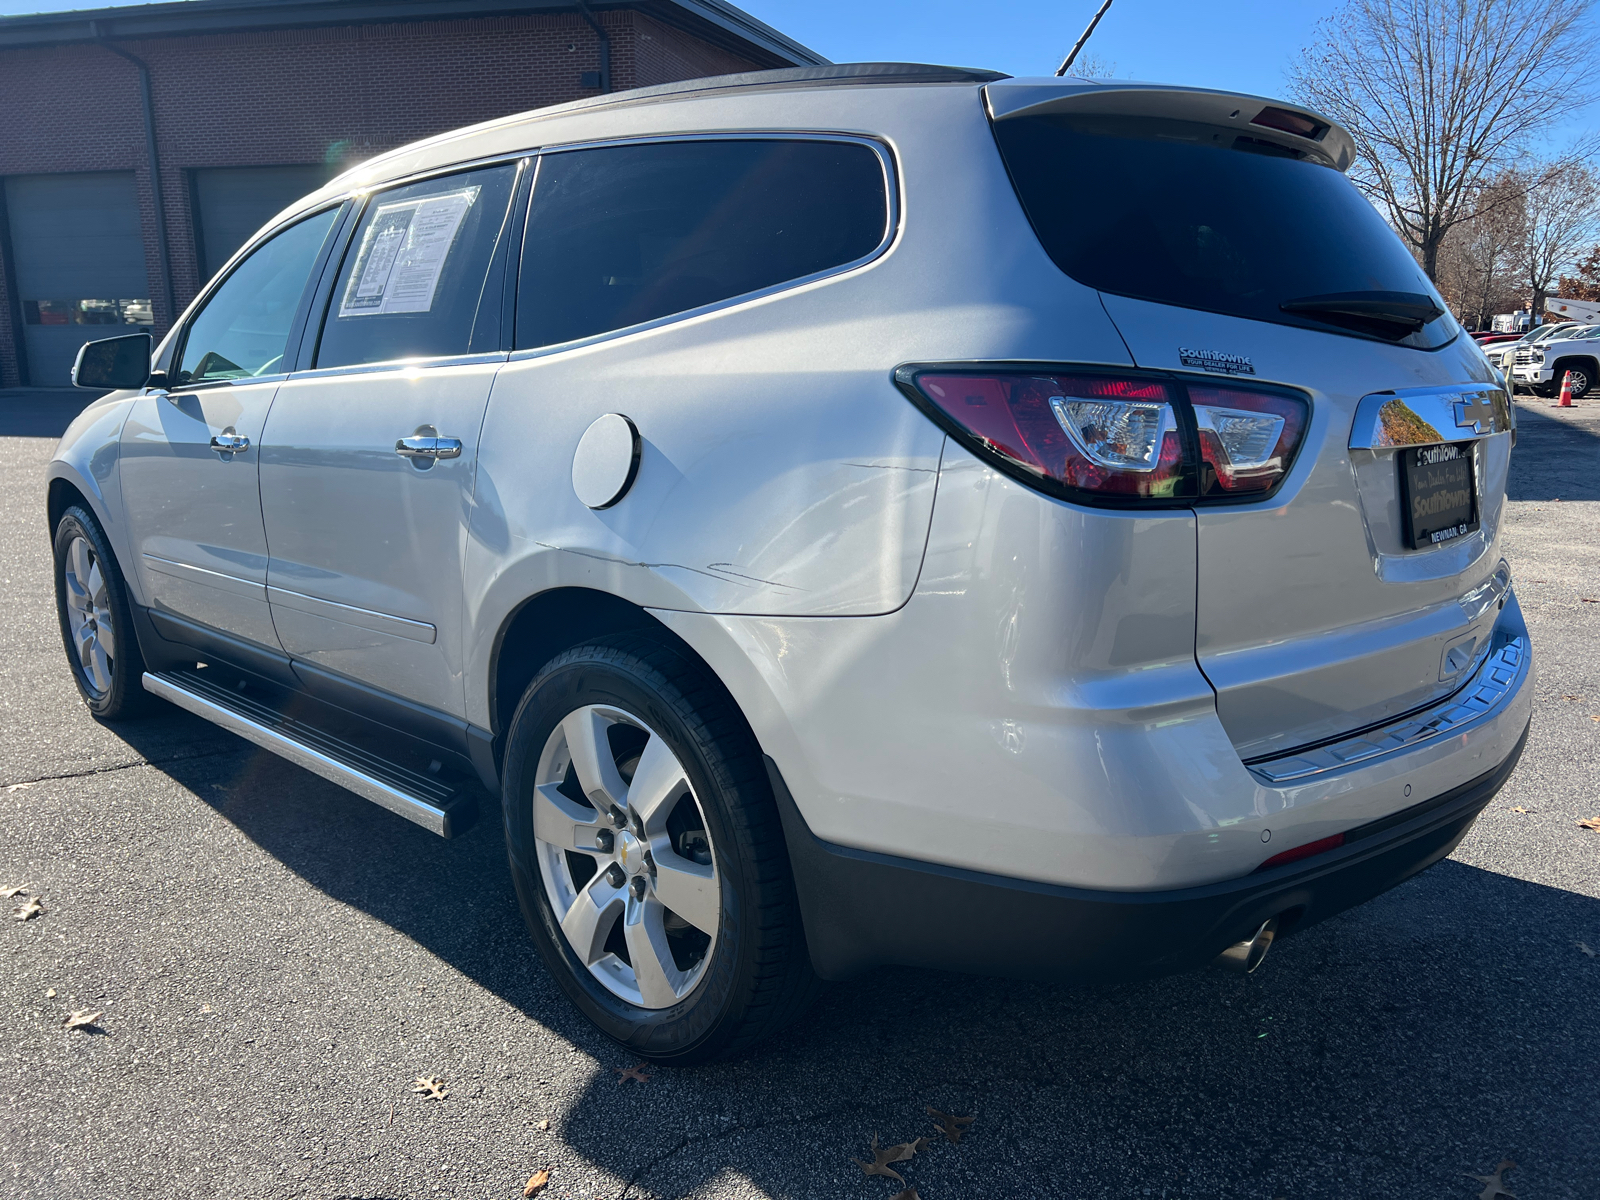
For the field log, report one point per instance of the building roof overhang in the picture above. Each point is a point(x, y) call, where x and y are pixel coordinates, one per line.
point(715, 21)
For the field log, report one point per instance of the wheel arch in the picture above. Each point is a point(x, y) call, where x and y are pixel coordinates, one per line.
point(557, 619)
point(1588, 361)
point(62, 494)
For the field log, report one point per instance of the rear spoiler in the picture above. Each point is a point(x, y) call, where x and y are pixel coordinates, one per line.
point(1306, 133)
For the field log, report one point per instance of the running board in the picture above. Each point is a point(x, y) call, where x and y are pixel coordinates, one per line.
point(431, 803)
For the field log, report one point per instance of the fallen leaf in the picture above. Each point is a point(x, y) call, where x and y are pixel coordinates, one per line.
point(1584, 948)
point(50, 995)
point(535, 1181)
point(1494, 1185)
point(82, 1019)
point(951, 1127)
point(33, 908)
point(1595, 718)
point(881, 1160)
point(1519, 809)
point(634, 1073)
point(1572, 697)
point(20, 890)
point(431, 1086)
point(1590, 823)
point(544, 1124)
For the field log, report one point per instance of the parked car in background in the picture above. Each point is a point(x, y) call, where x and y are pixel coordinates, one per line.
point(1070, 583)
point(1488, 337)
point(1541, 366)
point(1502, 354)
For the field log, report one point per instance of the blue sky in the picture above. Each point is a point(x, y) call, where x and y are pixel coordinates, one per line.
point(1241, 44)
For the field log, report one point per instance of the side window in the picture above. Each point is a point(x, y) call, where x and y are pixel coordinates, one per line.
point(415, 279)
point(623, 234)
point(243, 330)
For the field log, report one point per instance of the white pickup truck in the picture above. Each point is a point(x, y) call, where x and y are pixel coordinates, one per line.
point(1540, 366)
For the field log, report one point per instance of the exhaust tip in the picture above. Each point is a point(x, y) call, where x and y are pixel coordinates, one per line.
point(1246, 956)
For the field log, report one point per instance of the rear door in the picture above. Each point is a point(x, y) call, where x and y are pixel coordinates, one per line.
point(368, 457)
point(1235, 253)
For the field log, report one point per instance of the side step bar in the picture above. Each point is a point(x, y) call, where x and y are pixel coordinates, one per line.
point(431, 803)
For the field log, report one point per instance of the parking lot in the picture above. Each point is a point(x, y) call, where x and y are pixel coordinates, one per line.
point(275, 961)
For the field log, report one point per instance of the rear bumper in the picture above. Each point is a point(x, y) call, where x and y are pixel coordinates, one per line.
point(863, 909)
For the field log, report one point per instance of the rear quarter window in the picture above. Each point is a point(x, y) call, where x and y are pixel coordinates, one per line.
point(621, 235)
point(1191, 216)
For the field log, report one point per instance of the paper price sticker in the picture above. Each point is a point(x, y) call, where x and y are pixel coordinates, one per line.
point(403, 253)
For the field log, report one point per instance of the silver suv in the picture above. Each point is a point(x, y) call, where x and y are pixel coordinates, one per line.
point(837, 516)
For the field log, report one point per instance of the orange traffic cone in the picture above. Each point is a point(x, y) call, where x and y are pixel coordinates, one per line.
point(1566, 391)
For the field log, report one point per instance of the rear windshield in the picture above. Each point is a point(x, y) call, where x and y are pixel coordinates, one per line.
point(1187, 215)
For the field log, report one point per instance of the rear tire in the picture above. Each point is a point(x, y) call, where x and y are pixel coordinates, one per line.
point(96, 620)
point(667, 729)
point(1582, 379)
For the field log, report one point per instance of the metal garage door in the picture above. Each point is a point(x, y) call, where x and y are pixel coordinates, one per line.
point(231, 203)
point(79, 257)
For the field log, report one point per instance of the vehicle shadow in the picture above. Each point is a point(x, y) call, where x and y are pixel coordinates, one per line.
point(1388, 1051)
point(41, 412)
point(1555, 459)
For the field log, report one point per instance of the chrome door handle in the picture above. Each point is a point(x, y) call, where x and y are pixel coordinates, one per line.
point(228, 442)
point(418, 446)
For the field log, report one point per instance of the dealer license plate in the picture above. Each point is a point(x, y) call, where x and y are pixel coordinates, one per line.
point(1438, 495)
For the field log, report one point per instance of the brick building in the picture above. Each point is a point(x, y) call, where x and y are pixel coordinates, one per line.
point(248, 104)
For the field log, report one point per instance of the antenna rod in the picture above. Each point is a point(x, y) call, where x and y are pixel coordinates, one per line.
point(1087, 33)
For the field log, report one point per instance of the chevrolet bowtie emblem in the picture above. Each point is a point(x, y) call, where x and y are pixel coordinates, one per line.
point(1480, 412)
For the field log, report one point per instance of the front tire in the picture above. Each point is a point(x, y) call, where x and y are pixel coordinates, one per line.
point(647, 853)
point(96, 621)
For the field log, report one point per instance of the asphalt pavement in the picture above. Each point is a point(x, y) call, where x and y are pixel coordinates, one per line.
point(276, 961)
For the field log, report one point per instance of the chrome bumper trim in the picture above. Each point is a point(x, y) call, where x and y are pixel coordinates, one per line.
point(1495, 683)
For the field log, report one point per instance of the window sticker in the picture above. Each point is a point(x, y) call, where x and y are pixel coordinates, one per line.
point(403, 253)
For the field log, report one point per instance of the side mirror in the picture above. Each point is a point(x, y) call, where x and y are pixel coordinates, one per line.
point(119, 362)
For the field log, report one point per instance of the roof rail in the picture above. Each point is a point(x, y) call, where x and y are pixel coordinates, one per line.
point(788, 78)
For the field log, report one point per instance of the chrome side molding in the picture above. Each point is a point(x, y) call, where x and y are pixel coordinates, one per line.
point(419, 798)
point(1499, 678)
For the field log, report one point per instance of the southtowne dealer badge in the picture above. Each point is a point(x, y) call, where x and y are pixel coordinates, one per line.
point(1216, 360)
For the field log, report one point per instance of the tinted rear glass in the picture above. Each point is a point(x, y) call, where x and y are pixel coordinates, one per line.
point(1187, 215)
point(625, 234)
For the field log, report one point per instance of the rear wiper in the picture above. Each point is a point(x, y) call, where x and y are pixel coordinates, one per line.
point(1391, 315)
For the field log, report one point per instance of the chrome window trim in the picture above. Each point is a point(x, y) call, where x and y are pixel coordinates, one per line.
point(1483, 697)
point(423, 363)
point(891, 232)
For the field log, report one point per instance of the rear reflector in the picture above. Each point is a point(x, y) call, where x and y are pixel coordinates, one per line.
point(1109, 438)
point(1319, 846)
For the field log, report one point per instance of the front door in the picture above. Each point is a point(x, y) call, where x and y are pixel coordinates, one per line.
point(189, 455)
point(368, 458)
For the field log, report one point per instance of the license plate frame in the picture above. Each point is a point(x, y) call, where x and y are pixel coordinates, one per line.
point(1431, 478)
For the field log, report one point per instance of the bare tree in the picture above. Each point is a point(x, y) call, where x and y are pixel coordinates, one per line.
point(1480, 258)
point(1562, 207)
point(1440, 95)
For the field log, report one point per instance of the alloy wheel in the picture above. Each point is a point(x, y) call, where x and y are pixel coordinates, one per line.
point(89, 614)
point(625, 855)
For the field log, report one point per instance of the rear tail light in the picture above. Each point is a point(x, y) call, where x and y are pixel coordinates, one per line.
point(1247, 439)
point(1114, 438)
